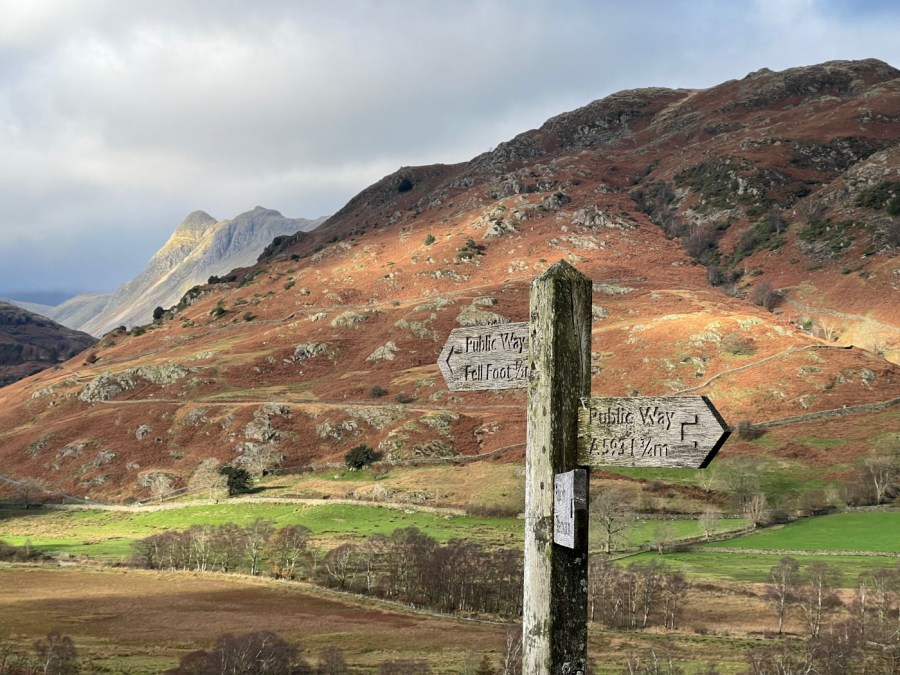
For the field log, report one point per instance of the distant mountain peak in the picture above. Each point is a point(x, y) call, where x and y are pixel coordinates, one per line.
point(196, 220)
point(258, 212)
point(199, 247)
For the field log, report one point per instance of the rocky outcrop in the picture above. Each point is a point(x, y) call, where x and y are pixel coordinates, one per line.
point(108, 385)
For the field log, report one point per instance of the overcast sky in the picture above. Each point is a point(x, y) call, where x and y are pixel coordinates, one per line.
point(119, 117)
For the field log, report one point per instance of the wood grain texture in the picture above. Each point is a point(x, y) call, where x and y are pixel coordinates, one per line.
point(673, 431)
point(554, 622)
point(486, 357)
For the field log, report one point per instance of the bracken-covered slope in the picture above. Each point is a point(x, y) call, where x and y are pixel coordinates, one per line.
point(742, 241)
point(29, 343)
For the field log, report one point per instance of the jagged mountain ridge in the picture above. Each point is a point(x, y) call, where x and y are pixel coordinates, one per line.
point(29, 343)
point(652, 193)
point(199, 247)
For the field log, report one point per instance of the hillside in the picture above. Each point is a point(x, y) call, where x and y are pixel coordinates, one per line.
point(743, 244)
point(29, 343)
point(200, 247)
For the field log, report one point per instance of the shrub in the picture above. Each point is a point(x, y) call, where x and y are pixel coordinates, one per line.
point(429, 240)
point(361, 456)
point(737, 344)
point(747, 432)
point(158, 313)
point(248, 316)
point(404, 397)
point(260, 652)
point(700, 244)
point(288, 285)
point(239, 480)
point(470, 250)
point(218, 311)
point(885, 195)
point(377, 392)
point(765, 295)
point(249, 278)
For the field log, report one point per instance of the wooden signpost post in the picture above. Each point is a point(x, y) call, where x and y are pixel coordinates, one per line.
point(568, 432)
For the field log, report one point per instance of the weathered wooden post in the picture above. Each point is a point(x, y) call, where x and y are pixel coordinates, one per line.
point(568, 432)
point(554, 621)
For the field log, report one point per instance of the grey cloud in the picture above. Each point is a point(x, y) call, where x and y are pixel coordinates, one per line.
point(155, 109)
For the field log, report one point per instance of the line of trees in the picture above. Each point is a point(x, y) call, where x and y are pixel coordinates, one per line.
point(285, 552)
point(407, 566)
point(640, 596)
point(811, 594)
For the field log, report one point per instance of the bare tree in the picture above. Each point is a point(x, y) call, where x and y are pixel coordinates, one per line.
point(809, 210)
point(756, 509)
point(340, 564)
point(371, 552)
point(160, 486)
point(780, 658)
point(260, 652)
point(884, 587)
point(256, 535)
point(511, 663)
point(663, 535)
point(709, 478)
point(260, 458)
point(709, 521)
point(610, 515)
point(817, 596)
point(56, 655)
point(882, 472)
point(740, 478)
point(285, 549)
point(765, 295)
point(28, 489)
point(781, 591)
point(675, 587)
point(775, 219)
point(207, 477)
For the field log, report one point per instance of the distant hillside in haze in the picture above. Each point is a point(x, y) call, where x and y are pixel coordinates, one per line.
point(199, 248)
point(29, 343)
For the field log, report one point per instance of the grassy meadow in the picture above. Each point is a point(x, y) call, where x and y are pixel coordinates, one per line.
point(109, 535)
point(172, 613)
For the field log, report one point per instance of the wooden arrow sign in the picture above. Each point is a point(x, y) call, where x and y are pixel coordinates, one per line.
point(486, 357)
point(674, 431)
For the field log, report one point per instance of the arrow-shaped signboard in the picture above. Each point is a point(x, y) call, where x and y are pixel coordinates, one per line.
point(674, 431)
point(486, 357)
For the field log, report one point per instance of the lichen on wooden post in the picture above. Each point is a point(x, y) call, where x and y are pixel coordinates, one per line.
point(554, 623)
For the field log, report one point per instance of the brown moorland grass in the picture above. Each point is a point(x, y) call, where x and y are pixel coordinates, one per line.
point(138, 621)
point(143, 621)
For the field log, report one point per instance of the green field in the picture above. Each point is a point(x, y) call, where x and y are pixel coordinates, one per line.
point(877, 531)
point(110, 534)
point(755, 567)
point(645, 531)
